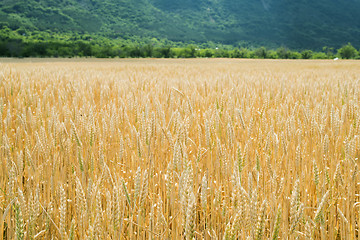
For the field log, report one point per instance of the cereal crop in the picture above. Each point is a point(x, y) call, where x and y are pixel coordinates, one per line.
point(180, 149)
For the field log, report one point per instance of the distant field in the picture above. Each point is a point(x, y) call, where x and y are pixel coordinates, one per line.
point(179, 149)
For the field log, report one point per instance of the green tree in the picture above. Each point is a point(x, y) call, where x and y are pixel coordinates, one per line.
point(221, 53)
point(4, 52)
point(271, 54)
point(329, 51)
point(294, 55)
point(147, 50)
point(306, 54)
point(244, 53)
point(260, 52)
point(347, 51)
point(283, 53)
point(235, 53)
point(192, 51)
point(15, 47)
point(165, 52)
point(319, 55)
point(188, 52)
point(208, 53)
point(83, 49)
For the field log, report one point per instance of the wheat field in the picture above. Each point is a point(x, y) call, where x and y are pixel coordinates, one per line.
point(179, 149)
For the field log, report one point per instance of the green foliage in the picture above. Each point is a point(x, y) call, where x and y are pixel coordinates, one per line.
point(295, 24)
point(306, 54)
point(319, 55)
point(24, 43)
point(271, 54)
point(208, 53)
point(221, 53)
point(283, 53)
point(347, 51)
point(187, 52)
point(261, 53)
point(244, 53)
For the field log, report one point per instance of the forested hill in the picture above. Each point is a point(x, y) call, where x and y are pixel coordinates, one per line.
point(300, 24)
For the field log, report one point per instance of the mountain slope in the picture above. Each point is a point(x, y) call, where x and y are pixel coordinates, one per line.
point(295, 24)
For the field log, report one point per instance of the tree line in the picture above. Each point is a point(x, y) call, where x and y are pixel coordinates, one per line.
point(23, 44)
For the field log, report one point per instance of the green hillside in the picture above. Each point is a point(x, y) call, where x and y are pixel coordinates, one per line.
point(302, 24)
